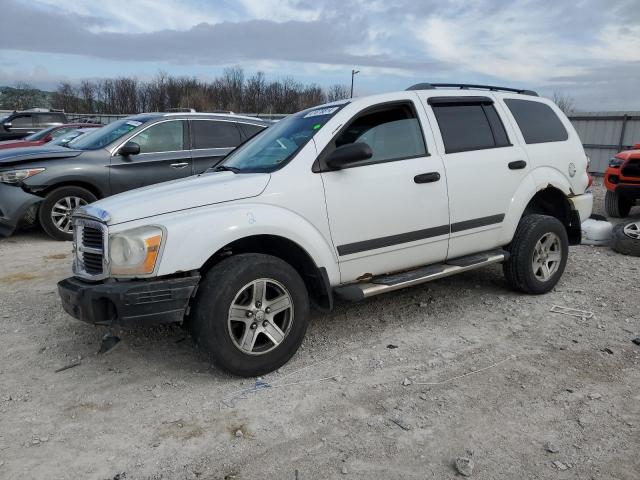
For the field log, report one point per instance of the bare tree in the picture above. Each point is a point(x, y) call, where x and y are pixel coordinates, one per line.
point(565, 102)
point(337, 92)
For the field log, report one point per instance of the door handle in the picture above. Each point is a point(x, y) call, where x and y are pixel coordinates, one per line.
point(517, 165)
point(179, 165)
point(427, 177)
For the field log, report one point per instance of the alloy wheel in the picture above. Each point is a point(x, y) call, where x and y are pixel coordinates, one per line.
point(547, 256)
point(62, 211)
point(632, 230)
point(260, 316)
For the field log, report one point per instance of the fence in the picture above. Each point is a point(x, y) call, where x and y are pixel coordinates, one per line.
point(604, 134)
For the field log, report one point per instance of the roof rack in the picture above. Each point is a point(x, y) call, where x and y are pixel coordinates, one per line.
point(466, 86)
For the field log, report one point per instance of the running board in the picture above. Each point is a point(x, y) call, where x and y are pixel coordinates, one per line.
point(396, 281)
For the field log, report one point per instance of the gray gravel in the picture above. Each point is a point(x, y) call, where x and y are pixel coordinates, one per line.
point(556, 404)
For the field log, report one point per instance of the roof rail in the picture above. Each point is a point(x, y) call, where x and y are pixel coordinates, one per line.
point(466, 86)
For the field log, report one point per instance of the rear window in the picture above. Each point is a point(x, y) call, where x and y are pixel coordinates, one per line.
point(214, 134)
point(469, 126)
point(537, 121)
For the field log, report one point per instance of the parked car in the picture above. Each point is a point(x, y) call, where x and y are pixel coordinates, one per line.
point(622, 181)
point(130, 153)
point(46, 135)
point(18, 125)
point(353, 198)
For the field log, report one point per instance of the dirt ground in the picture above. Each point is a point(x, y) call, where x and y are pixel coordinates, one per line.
point(556, 396)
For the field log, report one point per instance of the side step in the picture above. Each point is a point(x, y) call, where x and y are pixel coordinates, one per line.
point(396, 281)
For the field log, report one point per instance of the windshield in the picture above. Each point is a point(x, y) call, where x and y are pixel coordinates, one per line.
point(102, 137)
point(39, 135)
point(63, 140)
point(274, 147)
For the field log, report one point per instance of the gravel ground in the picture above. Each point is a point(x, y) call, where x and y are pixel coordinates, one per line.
point(378, 390)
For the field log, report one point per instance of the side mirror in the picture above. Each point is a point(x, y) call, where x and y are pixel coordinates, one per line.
point(347, 154)
point(636, 146)
point(47, 138)
point(129, 148)
point(7, 125)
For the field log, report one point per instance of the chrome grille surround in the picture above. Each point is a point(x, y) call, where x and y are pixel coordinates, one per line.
point(90, 249)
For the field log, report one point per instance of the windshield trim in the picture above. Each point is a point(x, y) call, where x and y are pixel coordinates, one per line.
point(292, 155)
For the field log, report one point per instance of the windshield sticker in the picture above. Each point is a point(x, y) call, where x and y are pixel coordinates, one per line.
point(134, 123)
point(321, 111)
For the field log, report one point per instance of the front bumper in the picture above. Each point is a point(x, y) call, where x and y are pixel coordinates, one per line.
point(14, 202)
point(136, 303)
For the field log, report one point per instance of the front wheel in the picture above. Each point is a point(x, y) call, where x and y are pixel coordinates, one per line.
point(538, 254)
point(250, 314)
point(616, 205)
point(56, 209)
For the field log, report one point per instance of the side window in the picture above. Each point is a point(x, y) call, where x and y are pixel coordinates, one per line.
point(251, 130)
point(537, 121)
point(49, 118)
point(468, 126)
point(212, 134)
point(162, 137)
point(61, 131)
point(393, 133)
point(22, 121)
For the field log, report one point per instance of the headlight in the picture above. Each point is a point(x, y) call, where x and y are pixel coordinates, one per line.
point(17, 176)
point(615, 162)
point(135, 252)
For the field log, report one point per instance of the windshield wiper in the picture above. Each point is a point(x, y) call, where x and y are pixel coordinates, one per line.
point(224, 168)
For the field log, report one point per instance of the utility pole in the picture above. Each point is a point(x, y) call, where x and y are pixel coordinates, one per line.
point(353, 74)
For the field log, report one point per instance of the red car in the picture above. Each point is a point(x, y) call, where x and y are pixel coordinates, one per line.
point(46, 135)
point(622, 180)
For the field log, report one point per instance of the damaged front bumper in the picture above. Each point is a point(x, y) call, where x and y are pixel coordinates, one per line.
point(135, 303)
point(14, 203)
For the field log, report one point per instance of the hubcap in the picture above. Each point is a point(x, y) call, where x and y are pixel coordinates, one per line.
point(547, 256)
point(260, 316)
point(632, 230)
point(62, 211)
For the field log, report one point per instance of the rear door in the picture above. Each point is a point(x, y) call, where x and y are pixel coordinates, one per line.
point(485, 165)
point(163, 156)
point(211, 141)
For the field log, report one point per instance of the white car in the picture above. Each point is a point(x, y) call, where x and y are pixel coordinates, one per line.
point(353, 198)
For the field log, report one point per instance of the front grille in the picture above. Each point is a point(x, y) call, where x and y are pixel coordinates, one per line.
point(90, 244)
point(632, 168)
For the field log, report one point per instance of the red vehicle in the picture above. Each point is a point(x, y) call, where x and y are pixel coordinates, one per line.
point(622, 180)
point(46, 135)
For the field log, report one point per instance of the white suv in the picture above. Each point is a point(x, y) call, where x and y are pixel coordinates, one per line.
point(353, 198)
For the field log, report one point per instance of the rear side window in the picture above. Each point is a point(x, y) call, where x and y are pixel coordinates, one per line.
point(469, 125)
point(251, 130)
point(537, 121)
point(213, 134)
point(392, 132)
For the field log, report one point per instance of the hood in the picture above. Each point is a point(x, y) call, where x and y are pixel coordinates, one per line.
point(11, 156)
point(176, 195)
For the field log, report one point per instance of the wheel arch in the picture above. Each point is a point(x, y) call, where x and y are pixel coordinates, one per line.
point(44, 191)
point(314, 277)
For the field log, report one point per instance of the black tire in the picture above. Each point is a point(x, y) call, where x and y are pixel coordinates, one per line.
point(216, 293)
point(622, 243)
point(45, 210)
point(519, 270)
point(616, 205)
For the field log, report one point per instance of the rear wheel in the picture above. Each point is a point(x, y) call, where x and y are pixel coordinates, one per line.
point(58, 206)
point(616, 205)
point(538, 254)
point(250, 314)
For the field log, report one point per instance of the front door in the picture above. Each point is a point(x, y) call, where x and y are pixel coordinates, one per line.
point(163, 156)
point(389, 212)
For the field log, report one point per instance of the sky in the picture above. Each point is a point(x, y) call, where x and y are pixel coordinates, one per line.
point(586, 49)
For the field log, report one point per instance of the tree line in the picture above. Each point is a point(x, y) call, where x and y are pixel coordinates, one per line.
point(232, 91)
